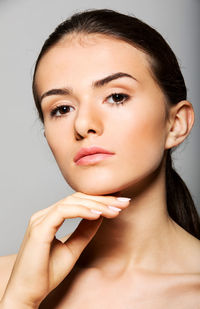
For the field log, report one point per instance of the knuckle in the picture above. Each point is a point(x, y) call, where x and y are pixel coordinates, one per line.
point(59, 208)
point(33, 218)
point(68, 199)
point(78, 194)
point(82, 210)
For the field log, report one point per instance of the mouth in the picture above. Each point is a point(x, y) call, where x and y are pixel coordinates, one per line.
point(94, 158)
point(91, 155)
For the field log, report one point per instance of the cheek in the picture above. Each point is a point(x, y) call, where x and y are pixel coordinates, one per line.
point(144, 137)
point(57, 139)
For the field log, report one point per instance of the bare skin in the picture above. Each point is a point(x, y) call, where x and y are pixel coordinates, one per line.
point(139, 257)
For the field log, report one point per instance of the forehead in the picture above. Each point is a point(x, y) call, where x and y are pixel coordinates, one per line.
point(91, 56)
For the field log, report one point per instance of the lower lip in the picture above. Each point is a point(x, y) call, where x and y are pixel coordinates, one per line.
point(91, 159)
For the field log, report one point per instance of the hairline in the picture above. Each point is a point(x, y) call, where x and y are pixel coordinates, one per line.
point(151, 61)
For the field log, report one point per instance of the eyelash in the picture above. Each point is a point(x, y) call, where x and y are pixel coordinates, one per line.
point(60, 107)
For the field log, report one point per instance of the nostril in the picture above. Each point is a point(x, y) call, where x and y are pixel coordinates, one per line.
point(78, 136)
point(91, 130)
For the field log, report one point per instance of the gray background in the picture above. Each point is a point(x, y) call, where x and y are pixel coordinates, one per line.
point(30, 179)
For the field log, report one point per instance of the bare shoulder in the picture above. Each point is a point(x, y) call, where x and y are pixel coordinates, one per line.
point(6, 265)
point(186, 250)
point(193, 252)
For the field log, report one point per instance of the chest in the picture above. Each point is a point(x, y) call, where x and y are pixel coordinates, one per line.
point(129, 293)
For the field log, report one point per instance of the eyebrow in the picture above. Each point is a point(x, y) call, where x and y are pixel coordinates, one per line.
point(96, 84)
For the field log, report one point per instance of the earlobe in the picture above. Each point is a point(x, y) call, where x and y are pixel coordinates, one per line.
point(181, 122)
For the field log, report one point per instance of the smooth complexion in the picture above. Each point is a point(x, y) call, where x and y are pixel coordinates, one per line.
point(82, 82)
point(137, 131)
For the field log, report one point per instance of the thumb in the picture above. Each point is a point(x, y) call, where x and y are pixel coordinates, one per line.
point(80, 238)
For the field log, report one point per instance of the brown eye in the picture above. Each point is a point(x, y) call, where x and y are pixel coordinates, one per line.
point(60, 110)
point(118, 98)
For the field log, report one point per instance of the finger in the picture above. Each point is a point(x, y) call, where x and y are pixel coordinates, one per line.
point(65, 256)
point(40, 214)
point(79, 239)
point(93, 204)
point(46, 228)
point(108, 200)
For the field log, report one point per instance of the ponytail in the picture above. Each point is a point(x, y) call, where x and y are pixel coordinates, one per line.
point(180, 204)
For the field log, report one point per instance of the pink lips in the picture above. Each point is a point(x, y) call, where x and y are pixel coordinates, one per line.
point(90, 155)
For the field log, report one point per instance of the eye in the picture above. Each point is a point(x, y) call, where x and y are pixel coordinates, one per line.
point(118, 98)
point(60, 110)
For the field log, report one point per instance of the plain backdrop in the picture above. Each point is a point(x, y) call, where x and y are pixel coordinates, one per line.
point(30, 179)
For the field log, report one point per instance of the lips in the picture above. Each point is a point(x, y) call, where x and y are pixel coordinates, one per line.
point(90, 151)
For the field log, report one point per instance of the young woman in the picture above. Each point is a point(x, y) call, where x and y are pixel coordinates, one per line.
point(113, 101)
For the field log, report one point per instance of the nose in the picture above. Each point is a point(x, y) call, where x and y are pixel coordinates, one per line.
point(88, 121)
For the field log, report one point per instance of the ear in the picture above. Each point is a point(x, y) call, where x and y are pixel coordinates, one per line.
point(180, 123)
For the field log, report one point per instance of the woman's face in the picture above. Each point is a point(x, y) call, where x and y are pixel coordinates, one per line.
point(84, 113)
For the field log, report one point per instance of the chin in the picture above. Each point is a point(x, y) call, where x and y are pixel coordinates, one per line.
point(95, 189)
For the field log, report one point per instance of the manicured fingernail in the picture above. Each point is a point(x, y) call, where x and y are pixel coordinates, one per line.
point(123, 199)
point(114, 208)
point(96, 211)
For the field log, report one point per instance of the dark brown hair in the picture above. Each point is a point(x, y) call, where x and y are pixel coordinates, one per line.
point(165, 70)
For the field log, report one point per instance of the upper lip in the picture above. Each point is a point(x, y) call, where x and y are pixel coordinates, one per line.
point(90, 151)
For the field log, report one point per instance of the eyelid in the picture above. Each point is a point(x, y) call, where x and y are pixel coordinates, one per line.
point(117, 92)
point(52, 104)
point(126, 97)
point(125, 89)
point(54, 110)
point(121, 87)
point(55, 100)
point(118, 88)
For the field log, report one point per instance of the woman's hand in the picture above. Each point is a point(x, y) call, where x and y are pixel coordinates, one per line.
point(43, 261)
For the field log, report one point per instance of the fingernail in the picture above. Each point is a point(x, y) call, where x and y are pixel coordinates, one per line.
point(114, 208)
point(123, 199)
point(96, 211)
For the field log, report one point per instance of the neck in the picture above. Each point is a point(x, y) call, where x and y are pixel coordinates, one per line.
point(139, 237)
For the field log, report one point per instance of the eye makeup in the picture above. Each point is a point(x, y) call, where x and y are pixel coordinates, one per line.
point(64, 109)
